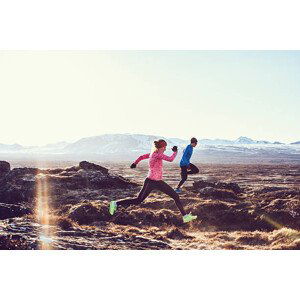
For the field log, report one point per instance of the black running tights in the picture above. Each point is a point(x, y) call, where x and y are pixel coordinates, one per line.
point(149, 186)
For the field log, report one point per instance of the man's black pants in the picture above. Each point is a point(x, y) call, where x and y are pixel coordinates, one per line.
point(185, 171)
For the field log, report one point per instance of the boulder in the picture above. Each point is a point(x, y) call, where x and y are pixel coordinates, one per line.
point(85, 165)
point(4, 167)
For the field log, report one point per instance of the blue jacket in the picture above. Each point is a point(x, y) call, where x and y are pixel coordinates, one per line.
point(187, 153)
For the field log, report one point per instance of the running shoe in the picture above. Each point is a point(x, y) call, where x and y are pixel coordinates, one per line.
point(178, 191)
point(189, 218)
point(112, 207)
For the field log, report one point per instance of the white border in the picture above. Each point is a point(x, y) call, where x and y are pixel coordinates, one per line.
point(150, 274)
point(148, 25)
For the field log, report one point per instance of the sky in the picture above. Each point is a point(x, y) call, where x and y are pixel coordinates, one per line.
point(52, 96)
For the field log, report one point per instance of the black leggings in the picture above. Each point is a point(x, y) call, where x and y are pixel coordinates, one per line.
point(149, 186)
point(185, 173)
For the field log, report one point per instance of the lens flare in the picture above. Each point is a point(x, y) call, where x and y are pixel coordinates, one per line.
point(272, 222)
point(42, 212)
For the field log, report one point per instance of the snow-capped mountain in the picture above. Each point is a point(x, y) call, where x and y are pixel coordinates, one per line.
point(117, 143)
point(242, 140)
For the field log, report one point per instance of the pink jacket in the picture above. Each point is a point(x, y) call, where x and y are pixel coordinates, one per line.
point(156, 164)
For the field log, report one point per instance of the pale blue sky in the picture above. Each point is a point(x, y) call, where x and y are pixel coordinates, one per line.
point(66, 95)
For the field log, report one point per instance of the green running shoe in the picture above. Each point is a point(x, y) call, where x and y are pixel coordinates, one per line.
point(112, 207)
point(189, 218)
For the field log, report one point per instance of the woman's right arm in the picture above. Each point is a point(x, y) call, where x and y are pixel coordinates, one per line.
point(145, 156)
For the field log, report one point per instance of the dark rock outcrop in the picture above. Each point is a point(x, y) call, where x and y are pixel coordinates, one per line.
point(230, 217)
point(270, 189)
point(265, 208)
point(12, 211)
point(20, 184)
point(4, 167)
point(282, 212)
point(232, 186)
point(259, 210)
point(93, 167)
point(87, 213)
point(17, 191)
point(213, 193)
point(279, 193)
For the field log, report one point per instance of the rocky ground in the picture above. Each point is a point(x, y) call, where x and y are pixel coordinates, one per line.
point(238, 207)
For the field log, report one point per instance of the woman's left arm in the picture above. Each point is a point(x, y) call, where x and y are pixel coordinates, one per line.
point(166, 157)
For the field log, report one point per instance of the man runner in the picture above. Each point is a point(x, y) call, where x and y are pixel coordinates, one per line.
point(186, 167)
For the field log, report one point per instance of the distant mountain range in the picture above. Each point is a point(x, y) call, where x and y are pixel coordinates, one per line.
point(128, 146)
point(114, 143)
point(10, 148)
point(240, 141)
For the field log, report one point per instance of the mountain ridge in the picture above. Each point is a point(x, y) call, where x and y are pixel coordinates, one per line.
point(123, 143)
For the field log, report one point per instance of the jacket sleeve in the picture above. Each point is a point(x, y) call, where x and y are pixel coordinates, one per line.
point(145, 156)
point(166, 157)
point(190, 153)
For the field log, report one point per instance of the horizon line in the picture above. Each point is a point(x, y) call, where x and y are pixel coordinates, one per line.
point(144, 134)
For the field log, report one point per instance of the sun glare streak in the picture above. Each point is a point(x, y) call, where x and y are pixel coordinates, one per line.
point(42, 212)
point(278, 226)
point(272, 222)
point(275, 224)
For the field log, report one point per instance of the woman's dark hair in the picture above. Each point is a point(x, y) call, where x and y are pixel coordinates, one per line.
point(194, 140)
point(160, 143)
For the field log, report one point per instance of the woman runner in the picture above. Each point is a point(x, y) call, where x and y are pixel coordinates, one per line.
point(154, 181)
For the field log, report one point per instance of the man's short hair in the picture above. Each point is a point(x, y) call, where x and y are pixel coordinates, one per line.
point(194, 140)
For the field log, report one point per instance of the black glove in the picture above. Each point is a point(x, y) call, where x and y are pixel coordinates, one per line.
point(174, 149)
point(133, 166)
